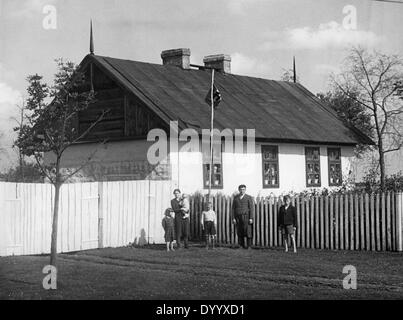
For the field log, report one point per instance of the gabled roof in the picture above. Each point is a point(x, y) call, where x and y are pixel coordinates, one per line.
point(277, 110)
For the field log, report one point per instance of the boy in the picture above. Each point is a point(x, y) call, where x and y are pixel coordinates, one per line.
point(287, 222)
point(209, 224)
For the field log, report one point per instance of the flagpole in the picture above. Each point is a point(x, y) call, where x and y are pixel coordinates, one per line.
point(92, 53)
point(211, 133)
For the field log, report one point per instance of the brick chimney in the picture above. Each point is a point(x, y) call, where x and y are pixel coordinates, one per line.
point(220, 62)
point(176, 57)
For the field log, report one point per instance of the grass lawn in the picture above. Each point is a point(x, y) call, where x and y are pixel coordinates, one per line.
point(224, 273)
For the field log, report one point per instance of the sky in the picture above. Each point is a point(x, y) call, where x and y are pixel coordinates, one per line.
point(262, 36)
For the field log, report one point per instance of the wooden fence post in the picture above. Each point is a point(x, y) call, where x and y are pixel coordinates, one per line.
point(100, 216)
point(326, 213)
point(399, 213)
point(267, 223)
point(322, 224)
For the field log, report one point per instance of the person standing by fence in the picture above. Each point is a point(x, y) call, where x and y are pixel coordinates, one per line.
point(168, 223)
point(209, 224)
point(287, 222)
point(243, 210)
point(182, 222)
point(176, 207)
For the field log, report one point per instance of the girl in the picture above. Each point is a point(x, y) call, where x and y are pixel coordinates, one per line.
point(168, 225)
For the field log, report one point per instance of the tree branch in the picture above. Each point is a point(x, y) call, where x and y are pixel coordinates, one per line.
point(44, 172)
point(100, 118)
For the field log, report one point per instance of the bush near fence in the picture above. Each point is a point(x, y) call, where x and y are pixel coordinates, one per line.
point(346, 222)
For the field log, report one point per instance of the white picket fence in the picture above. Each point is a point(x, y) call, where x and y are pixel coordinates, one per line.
point(92, 215)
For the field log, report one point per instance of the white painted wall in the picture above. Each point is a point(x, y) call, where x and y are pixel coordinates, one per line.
point(247, 169)
point(187, 169)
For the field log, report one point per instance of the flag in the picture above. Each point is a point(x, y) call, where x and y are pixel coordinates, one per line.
point(216, 97)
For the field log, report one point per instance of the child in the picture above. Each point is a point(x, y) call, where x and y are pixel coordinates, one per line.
point(185, 223)
point(209, 223)
point(287, 222)
point(185, 205)
point(168, 225)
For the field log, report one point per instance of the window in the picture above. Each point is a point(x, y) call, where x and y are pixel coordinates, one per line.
point(217, 174)
point(216, 177)
point(334, 160)
point(270, 169)
point(312, 158)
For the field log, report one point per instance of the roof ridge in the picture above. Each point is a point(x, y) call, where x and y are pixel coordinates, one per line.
point(202, 70)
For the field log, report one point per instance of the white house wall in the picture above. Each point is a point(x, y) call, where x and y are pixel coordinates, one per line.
point(247, 169)
point(186, 170)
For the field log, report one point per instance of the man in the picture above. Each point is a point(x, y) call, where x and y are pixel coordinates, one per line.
point(243, 210)
point(182, 221)
point(287, 222)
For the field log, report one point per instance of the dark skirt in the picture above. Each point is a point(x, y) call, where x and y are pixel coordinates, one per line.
point(169, 234)
point(209, 228)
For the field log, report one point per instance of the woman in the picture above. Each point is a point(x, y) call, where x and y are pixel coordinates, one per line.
point(182, 222)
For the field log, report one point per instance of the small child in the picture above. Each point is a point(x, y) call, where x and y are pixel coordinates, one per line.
point(185, 205)
point(168, 225)
point(209, 224)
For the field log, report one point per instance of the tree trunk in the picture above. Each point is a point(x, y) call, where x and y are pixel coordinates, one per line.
point(53, 245)
point(381, 165)
point(22, 179)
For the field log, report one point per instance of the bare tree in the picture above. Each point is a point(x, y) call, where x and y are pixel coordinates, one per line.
point(372, 79)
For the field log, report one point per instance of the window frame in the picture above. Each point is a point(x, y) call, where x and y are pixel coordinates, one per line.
point(206, 177)
point(270, 186)
point(312, 185)
point(330, 162)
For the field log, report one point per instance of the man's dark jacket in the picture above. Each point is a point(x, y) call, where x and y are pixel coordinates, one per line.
point(243, 210)
point(244, 206)
point(287, 217)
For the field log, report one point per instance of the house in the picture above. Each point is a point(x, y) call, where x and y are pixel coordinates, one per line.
point(299, 143)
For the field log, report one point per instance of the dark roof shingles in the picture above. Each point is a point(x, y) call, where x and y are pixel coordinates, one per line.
point(275, 109)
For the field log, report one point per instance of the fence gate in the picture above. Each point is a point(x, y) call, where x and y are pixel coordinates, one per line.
point(90, 216)
point(78, 217)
